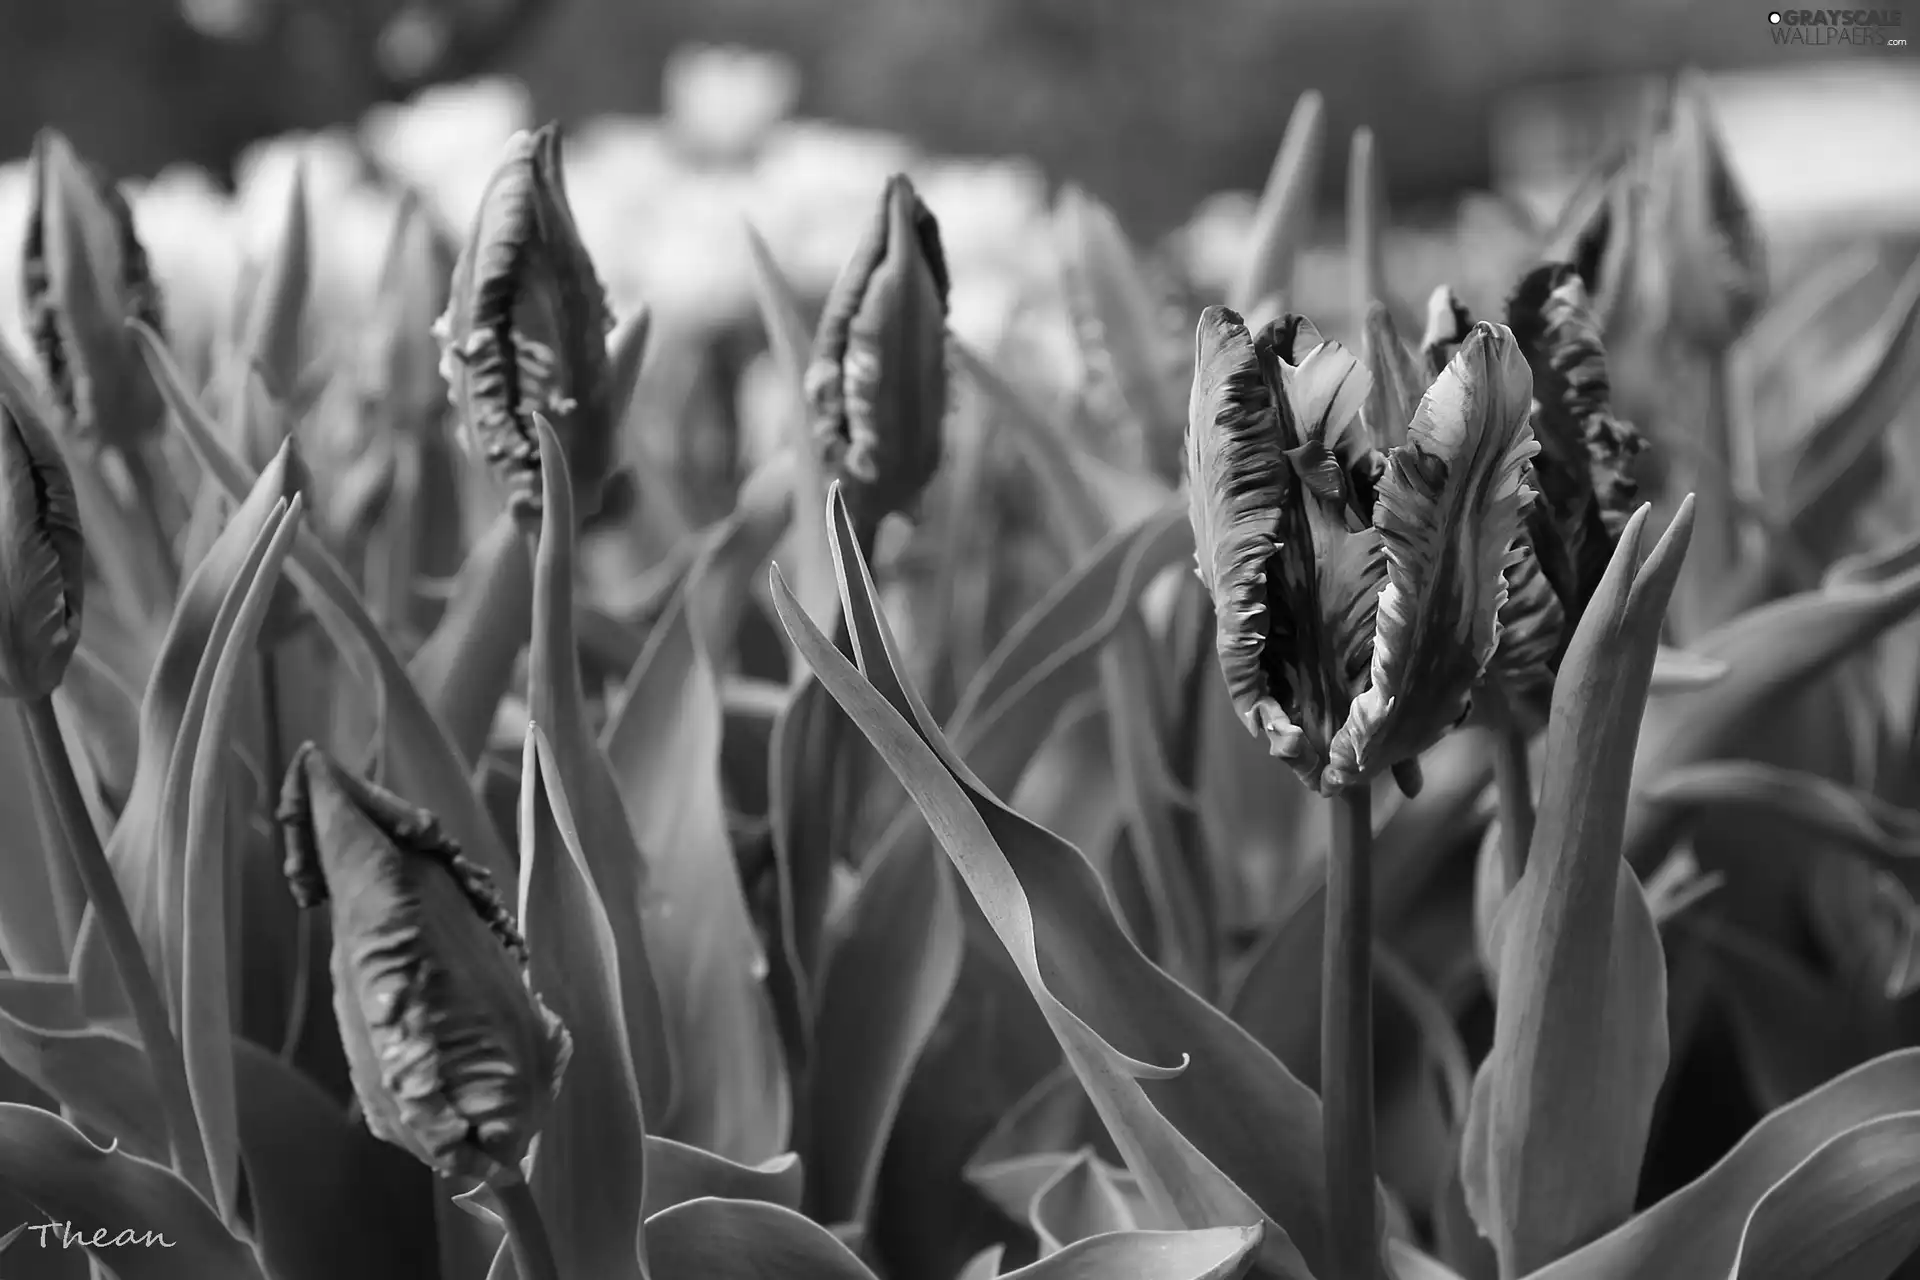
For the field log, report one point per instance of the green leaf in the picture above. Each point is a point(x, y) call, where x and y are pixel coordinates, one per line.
point(206, 1015)
point(662, 749)
point(170, 713)
point(558, 704)
point(984, 1265)
point(1409, 1263)
point(421, 763)
point(1083, 1199)
point(1698, 1230)
point(1836, 815)
point(1283, 220)
point(31, 940)
point(1562, 1105)
point(1771, 653)
point(715, 1239)
point(1223, 1253)
point(881, 995)
point(590, 1166)
point(466, 666)
point(677, 1173)
point(1191, 1100)
point(98, 1071)
point(1850, 1211)
point(310, 1168)
point(110, 1195)
point(1835, 465)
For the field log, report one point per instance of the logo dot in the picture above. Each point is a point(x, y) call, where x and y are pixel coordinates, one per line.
point(1774, 18)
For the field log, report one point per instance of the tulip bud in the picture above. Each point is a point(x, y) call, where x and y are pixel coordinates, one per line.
point(453, 1056)
point(85, 275)
point(42, 557)
point(525, 331)
point(876, 386)
point(1710, 269)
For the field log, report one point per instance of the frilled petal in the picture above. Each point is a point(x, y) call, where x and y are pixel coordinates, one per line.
point(42, 556)
point(1533, 633)
point(453, 1056)
point(1236, 482)
point(1586, 454)
point(1449, 513)
point(526, 328)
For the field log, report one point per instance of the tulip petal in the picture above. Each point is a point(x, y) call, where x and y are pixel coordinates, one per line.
point(1398, 379)
point(1236, 485)
point(1562, 1106)
point(1449, 511)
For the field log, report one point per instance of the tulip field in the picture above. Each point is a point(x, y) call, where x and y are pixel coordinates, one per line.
point(719, 698)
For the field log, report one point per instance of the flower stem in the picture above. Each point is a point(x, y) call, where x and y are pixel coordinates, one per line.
point(90, 863)
point(526, 1232)
point(1715, 558)
point(1346, 1041)
point(1513, 775)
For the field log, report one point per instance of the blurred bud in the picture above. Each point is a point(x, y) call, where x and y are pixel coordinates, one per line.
point(877, 383)
point(1599, 233)
point(400, 387)
point(453, 1056)
point(525, 331)
point(1710, 269)
point(85, 275)
point(42, 557)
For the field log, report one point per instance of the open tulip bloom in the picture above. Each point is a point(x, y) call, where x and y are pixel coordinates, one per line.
point(1357, 590)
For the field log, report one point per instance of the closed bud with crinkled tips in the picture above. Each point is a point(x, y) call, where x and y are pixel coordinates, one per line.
point(876, 384)
point(452, 1055)
point(525, 331)
point(84, 275)
point(42, 555)
point(1708, 266)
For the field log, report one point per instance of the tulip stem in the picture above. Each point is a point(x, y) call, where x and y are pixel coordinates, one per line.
point(526, 1232)
point(1514, 779)
point(1346, 1041)
point(75, 822)
point(1716, 558)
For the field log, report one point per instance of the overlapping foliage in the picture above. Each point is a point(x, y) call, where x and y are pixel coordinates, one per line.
point(875, 876)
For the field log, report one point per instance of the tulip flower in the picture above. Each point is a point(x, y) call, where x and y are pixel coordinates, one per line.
point(42, 585)
point(876, 384)
point(1357, 591)
point(453, 1056)
point(85, 275)
point(1582, 474)
point(525, 331)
